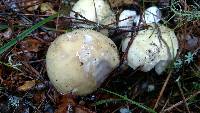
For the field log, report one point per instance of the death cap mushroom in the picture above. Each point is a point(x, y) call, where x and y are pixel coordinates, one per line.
point(79, 61)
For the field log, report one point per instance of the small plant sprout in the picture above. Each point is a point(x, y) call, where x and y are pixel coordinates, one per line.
point(13, 101)
point(189, 58)
point(125, 110)
point(189, 15)
point(178, 63)
point(10, 61)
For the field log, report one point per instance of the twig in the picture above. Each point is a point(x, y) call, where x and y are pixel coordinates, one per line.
point(182, 94)
point(189, 15)
point(131, 101)
point(163, 89)
point(180, 102)
point(165, 105)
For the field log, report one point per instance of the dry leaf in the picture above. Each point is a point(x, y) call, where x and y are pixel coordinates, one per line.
point(118, 3)
point(47, 8)
point(30, 44)
point(7, 34)
point(27, 85)
point(82, 109)
point(39, 97)
point(1, 73)
point(64, 102)
point(68, 103)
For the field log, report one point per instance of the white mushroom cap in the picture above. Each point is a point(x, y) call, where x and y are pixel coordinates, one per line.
point(79, 61)
point(129, 16)
point(152, 15)
point(94, 10)
point(148, 50)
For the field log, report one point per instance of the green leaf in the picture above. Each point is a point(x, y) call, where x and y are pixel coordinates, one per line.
point(26, 33)
point(108, 101)
point(2, 27)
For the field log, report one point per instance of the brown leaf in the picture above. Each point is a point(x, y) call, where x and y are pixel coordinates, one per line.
point(27, 85)
point(39, 97)
point(7, 34)
point(65, 101)
point(68, 101)
point(47, 7)
point(198, 61)
point(1, 73)
point(119, 3)
point(31, 44)
point(82, 109)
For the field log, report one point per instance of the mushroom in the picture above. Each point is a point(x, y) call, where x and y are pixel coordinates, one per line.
point(152, 47)
point(79, 61)
point(152, 15)
point(126, 19)
point(94, 10)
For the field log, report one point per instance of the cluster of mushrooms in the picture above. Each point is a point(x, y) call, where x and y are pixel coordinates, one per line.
point(78, 62)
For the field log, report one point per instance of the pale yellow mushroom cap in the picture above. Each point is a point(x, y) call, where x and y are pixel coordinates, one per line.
point(94, 10)
point(152, 48)
point(79, 61)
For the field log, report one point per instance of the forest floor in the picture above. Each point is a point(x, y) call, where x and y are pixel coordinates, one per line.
point(26, 33)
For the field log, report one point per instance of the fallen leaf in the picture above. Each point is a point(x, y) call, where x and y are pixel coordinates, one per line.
point(47, 8)
point(82, 109)
point(8, 33)
point(31, 44)
point(68, 104)
point(191, 42)
point(119, 3)
point(27, 85)
point(1, 71)
point(39, 97)
point(64, 102)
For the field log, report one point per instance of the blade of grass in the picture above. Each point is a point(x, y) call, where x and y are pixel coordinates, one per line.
point(108, 101)
point(26, 33)
point(2, 27)
point(131, 101)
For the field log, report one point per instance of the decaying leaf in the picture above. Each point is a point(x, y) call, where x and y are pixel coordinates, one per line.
point(47, 8)
point(118, 3)
point(19, 5)
point(64, 102)
point(27, 85)
point(82, 109)
point(30, 44)
point(39, 97)
point(67, 104)
point(1, 71)
point(7, 34)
